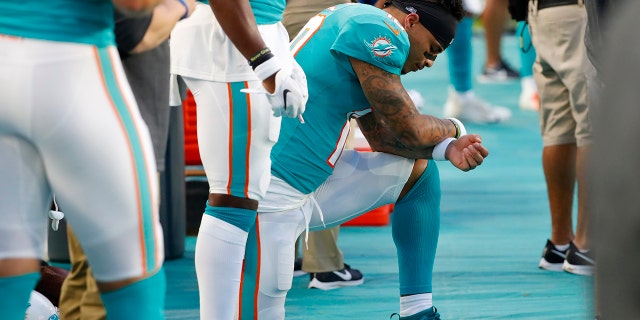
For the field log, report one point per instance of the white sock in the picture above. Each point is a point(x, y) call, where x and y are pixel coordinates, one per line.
point(410, 305)
point(561, 247)
point(528, 83)
point(218, 259)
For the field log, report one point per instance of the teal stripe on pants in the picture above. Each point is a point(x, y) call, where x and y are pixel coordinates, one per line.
point(138, 156)
point(240, 139)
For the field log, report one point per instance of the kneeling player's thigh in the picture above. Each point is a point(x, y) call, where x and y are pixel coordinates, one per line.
point(361, 181)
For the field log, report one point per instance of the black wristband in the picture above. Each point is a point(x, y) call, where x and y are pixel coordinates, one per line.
point(260, 57)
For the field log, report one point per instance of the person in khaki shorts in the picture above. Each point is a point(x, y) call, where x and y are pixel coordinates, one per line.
point(560, 72)
point(323, 260)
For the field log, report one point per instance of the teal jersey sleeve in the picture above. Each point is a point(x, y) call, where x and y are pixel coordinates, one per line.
point(374, 38)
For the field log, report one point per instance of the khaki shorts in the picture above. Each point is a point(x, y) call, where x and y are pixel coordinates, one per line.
point(560, 72)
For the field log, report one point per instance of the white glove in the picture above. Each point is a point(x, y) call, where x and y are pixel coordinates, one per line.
point(290, 96)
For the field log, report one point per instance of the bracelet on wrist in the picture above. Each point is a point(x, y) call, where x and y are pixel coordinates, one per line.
point(260, 57)
point(440, 149)
point(460, 129)
point(186, 9)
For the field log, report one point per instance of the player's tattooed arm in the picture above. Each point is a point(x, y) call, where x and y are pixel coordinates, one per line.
point(395, 125)
point(381, 139)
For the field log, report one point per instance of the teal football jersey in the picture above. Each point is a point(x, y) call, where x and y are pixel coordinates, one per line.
point(267, 11)
point(85, 21)
point(306, 153)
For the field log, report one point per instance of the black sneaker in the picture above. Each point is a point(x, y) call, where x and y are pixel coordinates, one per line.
point(552, 258)
point(577, 262)
point(336, 279)
point(297, 268)
point(499, 73)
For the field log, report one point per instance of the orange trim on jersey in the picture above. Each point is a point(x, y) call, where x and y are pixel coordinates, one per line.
point(309, 37)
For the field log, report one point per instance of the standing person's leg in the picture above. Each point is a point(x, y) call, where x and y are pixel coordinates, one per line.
point(493, 21)
point(323, 260)
point(236, 132)
point(100, 115)
point(321, 252)
point(79, 295)
point(148, 76)
point(25, 193)
point(234, 190)
point(566, 131)
point(460, 54)
point(559, 163)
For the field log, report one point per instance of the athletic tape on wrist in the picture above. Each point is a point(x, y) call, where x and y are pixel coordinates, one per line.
point(186, 8)
point(440, 149)
point(460, 129)
point(267, 68)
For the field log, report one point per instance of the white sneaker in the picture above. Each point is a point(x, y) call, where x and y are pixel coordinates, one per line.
point(529, 99)
point(467, 107)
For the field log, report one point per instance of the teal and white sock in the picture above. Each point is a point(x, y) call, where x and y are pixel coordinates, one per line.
point(410, 305)
point(220, 250)
point(415, 229)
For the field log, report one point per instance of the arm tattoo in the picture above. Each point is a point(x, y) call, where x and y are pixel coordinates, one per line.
point(396, 125)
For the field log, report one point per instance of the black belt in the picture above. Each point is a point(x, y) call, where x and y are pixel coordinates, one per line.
point(542, 4)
